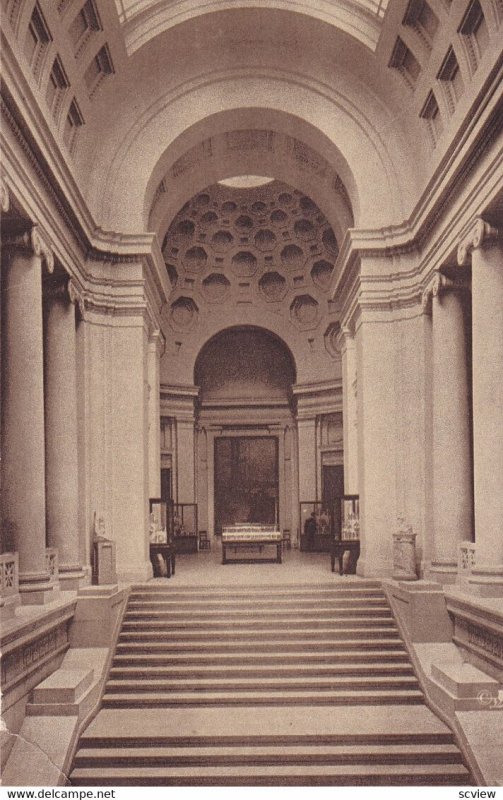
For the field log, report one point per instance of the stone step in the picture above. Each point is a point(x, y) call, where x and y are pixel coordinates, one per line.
point(272, 593)
point(243, 684)
point(251, 615)
point(274, 681)
point(352, 582)
point(294, 659)
point(227, 634)
point(277, 646)
point(265, 604)
point(397, 724)
point(111, 739)
point(260, 698)
point(216, 755)
point(376, 669)
point(173, 624)
point(282, 775)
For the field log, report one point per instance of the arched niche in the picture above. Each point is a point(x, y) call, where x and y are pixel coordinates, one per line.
point(243, 365)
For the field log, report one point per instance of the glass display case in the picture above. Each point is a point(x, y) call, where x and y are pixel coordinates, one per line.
point(317, 526)
point(348, 526)
point(184, 527)
point(158, 521)
point(162, 551)
point(346, 542)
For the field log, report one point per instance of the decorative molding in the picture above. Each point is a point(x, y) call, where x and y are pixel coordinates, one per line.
point(479, 234)
point(29, 650)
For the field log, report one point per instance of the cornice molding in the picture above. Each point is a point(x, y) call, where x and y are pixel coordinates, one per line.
point(320, 387)
point(412, 235)
point(179, 390)
point(472, 140)
point(93, 242)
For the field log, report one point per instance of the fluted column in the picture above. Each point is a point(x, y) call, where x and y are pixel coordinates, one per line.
point(452, 473)
point(23, 456)
point(484, 246)
point(61, 453)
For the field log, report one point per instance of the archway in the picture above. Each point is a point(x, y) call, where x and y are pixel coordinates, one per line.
point(245, 376)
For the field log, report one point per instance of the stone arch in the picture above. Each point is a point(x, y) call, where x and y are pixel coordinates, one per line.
point(331, 123)
point(244, 362)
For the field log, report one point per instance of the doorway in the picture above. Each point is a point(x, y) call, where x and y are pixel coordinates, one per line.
point(246, 480)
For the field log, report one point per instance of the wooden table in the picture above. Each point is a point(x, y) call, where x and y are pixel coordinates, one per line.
point(341, 546)
point(167, 552)
point(250, 537)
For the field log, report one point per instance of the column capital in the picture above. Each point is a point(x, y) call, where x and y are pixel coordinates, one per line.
point(479, 233)
point(438, 285)
point(32, 240)
point(64, 289)
point(4, 196)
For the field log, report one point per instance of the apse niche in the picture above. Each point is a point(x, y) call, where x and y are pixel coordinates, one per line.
point(244, 364)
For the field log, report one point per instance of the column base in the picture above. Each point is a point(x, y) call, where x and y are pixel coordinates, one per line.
point(486, 581)
point(143, 572)
point(36, 589)
point(442, 571)
point(366, 570)
point(71, 578)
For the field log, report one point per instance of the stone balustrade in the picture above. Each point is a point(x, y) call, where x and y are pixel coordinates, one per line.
point(466, 561)
point(9, 575)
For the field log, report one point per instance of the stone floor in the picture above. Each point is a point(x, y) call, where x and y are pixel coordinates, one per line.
point(297, 568)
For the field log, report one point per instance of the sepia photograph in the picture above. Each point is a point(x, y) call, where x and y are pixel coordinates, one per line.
point(251, 389)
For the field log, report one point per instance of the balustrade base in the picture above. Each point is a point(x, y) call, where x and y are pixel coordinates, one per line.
point(38, 589)
point(485, 581)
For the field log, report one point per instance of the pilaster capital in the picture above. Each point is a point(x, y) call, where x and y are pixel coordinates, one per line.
point(157, 341)
point(479, 234)
point(4, 196)
point(76, 297)
point(344, 338)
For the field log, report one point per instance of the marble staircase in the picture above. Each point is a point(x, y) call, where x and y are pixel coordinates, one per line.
point(265, 685)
